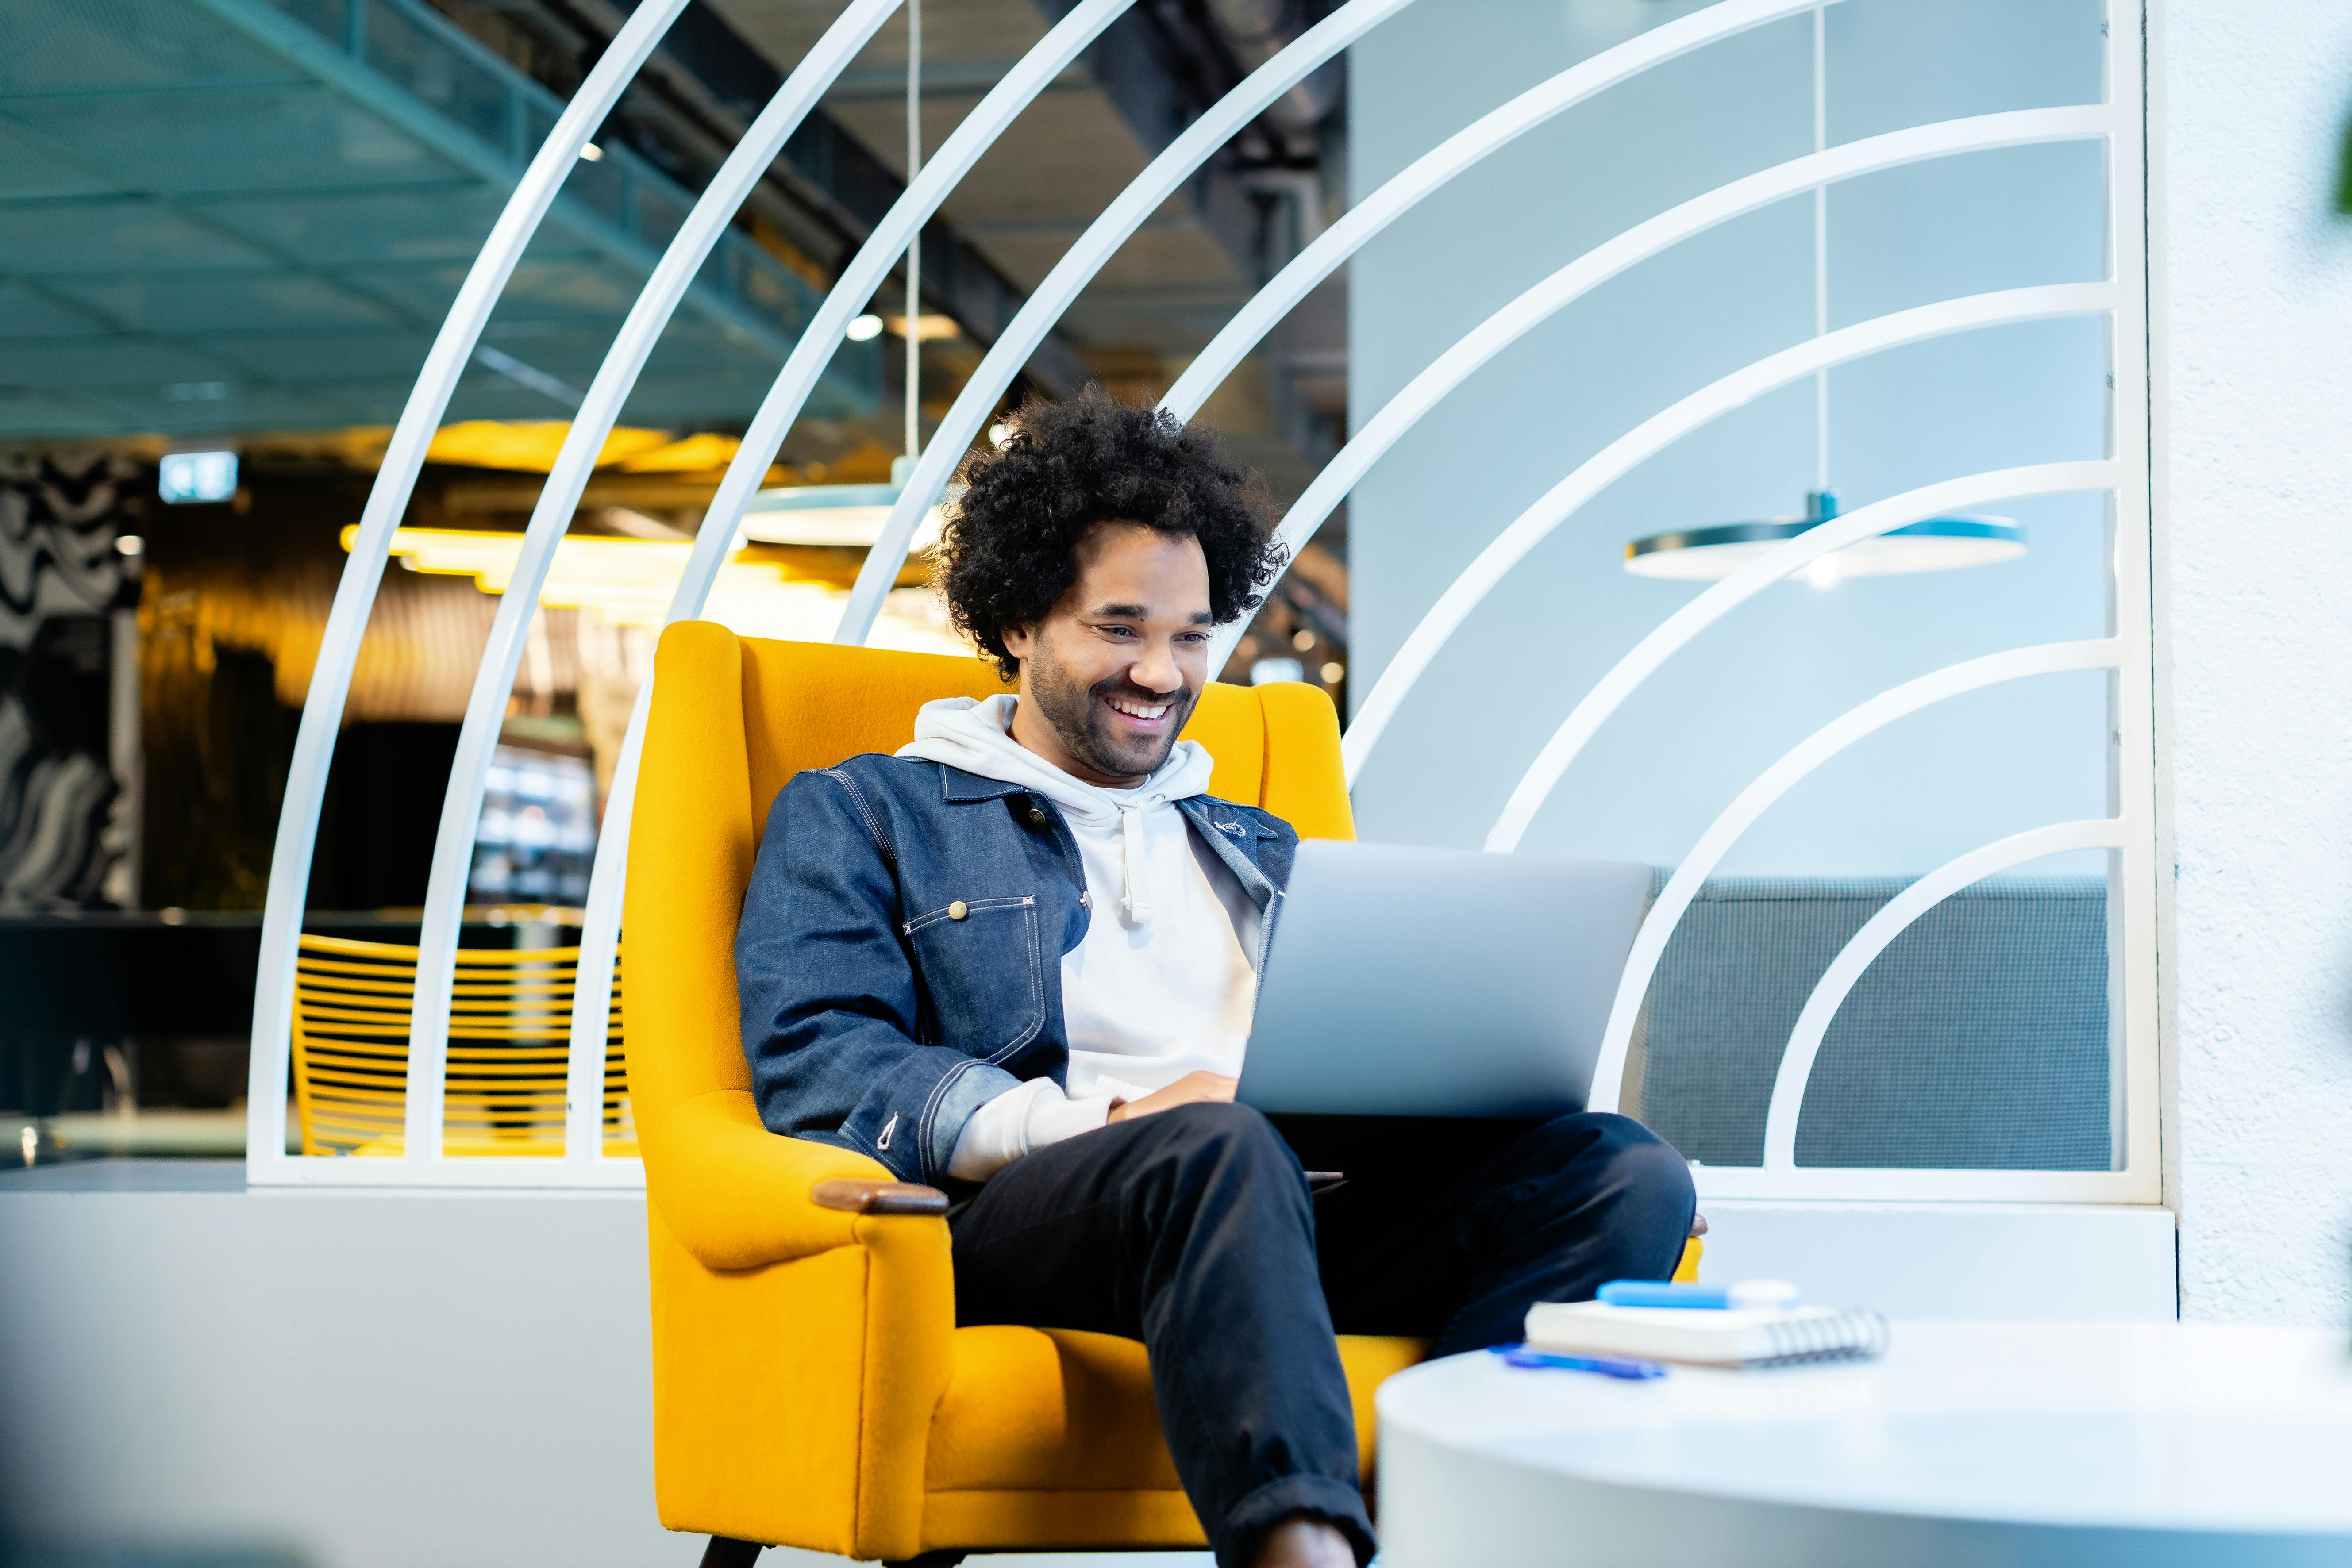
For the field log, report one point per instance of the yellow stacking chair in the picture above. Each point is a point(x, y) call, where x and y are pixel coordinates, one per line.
point(510, 1038)
point(810, 1388)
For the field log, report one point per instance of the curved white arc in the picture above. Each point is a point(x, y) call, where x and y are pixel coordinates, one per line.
point(1530, 310)
point(716, 537)
point(1653, 434)
point(1441, 163)
point(1805, 1039)
point(331, 675)
point(599, 935)
point(1159, 180)
point(1677, 631)
point(559, 496)
point(1035, 71)
point(1675, 900)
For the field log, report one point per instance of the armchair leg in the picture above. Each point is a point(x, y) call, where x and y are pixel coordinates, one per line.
point(724, 1551)
point(940, 1559)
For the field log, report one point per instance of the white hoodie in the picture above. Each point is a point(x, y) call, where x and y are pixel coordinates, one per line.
point(1160, 984)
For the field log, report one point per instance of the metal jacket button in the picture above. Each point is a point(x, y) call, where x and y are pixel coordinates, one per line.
point(957, 910)
point(1037, 815)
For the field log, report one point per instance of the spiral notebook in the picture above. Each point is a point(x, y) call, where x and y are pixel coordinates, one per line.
point(1773, 1337)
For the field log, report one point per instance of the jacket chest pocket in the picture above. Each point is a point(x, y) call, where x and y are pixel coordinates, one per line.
point(984, 964)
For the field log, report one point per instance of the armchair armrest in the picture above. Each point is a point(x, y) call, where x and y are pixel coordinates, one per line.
point(803, 1314)
point(736, 1196)
point(879, 1196)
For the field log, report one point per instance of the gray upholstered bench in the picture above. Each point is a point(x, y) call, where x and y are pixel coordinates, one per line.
point(1977, 1040)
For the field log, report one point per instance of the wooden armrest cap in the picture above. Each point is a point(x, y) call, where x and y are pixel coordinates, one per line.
point(861, 1196)
point(1698, 1223)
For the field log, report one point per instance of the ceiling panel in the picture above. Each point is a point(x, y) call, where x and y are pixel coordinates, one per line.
point(239, 405)
point(568, 350)
point(27, 169)
point(259, 140)
point(79, 45)
point(24, 413)
point(321, 356)
point(446, 224)
point(26, 313)
point(179, 302)
point(118, 233)
point(144, 361)
point(570, 289)
point(199, 233)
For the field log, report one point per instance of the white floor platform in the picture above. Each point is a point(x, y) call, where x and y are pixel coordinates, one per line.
point(442, 1380)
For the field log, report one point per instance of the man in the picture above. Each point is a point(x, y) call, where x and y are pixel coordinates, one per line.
point(1018, 960)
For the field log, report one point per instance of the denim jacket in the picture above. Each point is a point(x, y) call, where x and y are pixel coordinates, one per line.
point(899, 957)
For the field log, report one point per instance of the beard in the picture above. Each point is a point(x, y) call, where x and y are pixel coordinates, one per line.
point(1076, 712)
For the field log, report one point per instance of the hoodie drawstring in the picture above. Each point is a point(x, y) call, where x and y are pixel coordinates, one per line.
point(1133, 898)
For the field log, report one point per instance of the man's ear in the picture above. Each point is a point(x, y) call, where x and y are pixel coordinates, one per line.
point(1018, 641)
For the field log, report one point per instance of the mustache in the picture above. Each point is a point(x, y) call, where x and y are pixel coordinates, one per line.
point(1120, 686)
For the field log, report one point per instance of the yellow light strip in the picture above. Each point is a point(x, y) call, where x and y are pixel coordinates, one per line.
point(629, 582)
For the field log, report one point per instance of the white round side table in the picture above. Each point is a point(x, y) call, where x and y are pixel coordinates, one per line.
point(2010, 1443)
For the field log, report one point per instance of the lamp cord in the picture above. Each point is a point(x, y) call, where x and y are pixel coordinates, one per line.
point(915, 245)
point(1820, 251)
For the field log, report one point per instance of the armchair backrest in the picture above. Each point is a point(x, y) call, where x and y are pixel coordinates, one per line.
point(734, 718)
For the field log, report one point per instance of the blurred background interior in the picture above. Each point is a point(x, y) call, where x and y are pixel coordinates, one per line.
point(228, 229)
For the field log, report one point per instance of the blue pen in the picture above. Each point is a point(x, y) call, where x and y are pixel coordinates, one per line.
point(1748, 1293)
point(1606, 1365)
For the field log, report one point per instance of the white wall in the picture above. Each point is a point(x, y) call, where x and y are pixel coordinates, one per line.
point(1927, 789)
point(2255, 366)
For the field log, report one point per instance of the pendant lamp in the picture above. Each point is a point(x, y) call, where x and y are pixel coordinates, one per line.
point(852, 515)
point(1937, 544)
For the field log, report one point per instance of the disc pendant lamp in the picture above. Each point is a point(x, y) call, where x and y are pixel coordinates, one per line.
point(1935, 544)
point(852, 515)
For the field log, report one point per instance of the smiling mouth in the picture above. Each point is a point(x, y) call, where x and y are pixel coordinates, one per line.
point(1138, 712)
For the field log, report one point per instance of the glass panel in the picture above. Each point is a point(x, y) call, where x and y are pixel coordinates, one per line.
point(434, 69)
point(660, 214)
point(328, 18)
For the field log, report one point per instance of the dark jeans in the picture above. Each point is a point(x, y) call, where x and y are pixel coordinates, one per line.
point(1194, 1231)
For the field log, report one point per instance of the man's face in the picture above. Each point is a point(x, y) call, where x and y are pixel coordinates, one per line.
point(1111, 674)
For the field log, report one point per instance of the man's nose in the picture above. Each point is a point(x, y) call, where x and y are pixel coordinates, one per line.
point(1155, 670)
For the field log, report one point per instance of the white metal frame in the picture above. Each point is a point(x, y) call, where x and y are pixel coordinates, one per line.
point(558, 498)
point(330, 677)
point(2128, 833)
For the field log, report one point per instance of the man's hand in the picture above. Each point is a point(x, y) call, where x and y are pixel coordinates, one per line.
point(1191, 1088)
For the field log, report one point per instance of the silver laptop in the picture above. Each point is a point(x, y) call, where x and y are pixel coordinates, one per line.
point(1417, 982)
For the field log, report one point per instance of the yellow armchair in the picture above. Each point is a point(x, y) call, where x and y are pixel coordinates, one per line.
point(810, 1385)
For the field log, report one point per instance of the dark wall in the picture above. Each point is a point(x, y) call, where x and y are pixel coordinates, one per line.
point(382, 811)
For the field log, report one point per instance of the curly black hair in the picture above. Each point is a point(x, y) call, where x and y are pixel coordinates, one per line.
point(1008, 550)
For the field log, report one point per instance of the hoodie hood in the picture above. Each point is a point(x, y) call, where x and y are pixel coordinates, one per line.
point(974, 735)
